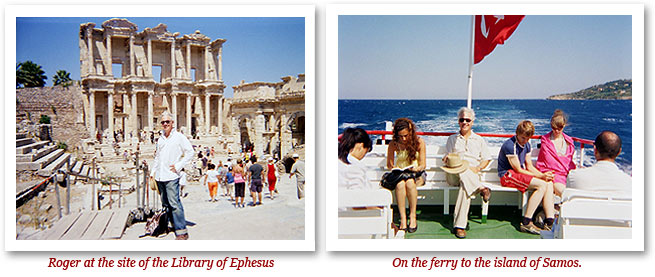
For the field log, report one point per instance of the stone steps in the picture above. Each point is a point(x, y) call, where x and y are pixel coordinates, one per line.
point(36, 154)
point(24, 141)
point(25, 149)
point(55, 165)
point(41, 162)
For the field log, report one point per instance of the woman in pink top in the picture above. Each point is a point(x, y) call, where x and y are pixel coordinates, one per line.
point(556, 152)
point(239, 184)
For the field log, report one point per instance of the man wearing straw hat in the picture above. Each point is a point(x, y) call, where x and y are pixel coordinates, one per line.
point(468, 154)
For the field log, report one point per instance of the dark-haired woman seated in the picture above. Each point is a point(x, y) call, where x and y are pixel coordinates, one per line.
point(407, 150)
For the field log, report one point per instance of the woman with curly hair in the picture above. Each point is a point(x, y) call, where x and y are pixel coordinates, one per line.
point(405, 150)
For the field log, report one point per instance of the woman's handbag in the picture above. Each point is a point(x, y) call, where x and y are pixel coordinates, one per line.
point(391, 179)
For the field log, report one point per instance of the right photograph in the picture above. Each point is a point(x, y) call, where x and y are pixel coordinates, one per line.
point(494, 127)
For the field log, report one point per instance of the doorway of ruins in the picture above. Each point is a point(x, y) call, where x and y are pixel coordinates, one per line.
point(246, 144)
point(194, 124)
point(298, 129)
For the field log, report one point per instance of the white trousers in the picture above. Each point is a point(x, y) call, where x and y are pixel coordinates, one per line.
point(469, 183)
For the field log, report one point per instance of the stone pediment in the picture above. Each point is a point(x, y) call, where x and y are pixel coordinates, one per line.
point(119, 24)
point(160, 32)
point(197, 36)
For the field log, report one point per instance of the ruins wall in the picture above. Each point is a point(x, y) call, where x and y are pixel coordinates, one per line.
point(64, 106)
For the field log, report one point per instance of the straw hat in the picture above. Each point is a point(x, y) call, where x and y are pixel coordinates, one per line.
point(455, 164)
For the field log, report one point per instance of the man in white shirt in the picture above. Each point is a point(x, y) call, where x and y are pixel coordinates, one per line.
point(474, 153)
point(604, 175)
point(298, 169)
point(173, 152)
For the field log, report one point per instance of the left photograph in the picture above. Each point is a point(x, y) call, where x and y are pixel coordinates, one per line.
point(166, 128)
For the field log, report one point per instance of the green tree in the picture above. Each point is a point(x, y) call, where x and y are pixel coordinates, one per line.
point(62, 78)
point(29, 74)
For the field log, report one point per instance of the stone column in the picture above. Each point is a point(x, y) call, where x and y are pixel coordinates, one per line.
point(220, 63)
point(151, 111)
point(220, 115)
point(150, 58)
point(200, 112)
point(108, 62)
point(236, 134)
point(285, 136)
point(110, 114)
point(174, 107)
point(133, 115)
point(89, 38)
point(206, 64)
point(207, 116)
point(188, 59)
point(188, 113)
point(132, 66)
point(173, 59)
point(92, 112)
point(259, 133)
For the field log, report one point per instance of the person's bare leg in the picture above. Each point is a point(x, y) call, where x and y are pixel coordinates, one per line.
point(400, 198)
point(412, 197)
point(548, 202)
point(558, 188)
point(539, 186)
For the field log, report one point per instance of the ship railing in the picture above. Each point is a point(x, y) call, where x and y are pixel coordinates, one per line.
point(582, 142)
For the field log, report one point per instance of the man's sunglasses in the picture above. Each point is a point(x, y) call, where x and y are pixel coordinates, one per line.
point(166, 122)
point(467, 120)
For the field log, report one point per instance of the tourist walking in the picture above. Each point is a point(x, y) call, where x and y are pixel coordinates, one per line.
point(271, 177)
point(229, 179)
point(298, 169)
point(211, 181)
point(174, 151)
point(239, 184)
point(255, 177)
point(183, 183)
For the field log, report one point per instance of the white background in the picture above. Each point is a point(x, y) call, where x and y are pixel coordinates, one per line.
point(350, 263)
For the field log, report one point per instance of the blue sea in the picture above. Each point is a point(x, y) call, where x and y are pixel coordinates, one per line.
point(587, 118)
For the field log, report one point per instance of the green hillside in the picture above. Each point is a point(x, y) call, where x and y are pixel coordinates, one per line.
point(619, 89)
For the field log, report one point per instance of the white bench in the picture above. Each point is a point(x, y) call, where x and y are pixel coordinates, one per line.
point(365, 223)
point(436, 179)
point(595, 215)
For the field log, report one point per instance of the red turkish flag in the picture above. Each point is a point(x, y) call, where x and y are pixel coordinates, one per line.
point(491, 30)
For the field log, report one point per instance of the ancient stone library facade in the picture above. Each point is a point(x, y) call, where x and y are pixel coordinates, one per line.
point(130, 77)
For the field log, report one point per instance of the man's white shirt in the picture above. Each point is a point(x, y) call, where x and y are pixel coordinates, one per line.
point(175, 150)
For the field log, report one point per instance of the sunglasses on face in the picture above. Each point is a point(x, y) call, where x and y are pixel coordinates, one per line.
point(166, 122)
point(467, 120)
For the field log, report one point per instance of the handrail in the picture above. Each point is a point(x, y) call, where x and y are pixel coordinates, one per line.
point(582, 142)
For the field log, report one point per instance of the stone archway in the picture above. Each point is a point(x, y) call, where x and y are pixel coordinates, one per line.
point(296, 124)
point(244, 131)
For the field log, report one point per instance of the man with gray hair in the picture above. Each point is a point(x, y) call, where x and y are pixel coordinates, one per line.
point(173, 153)
point(467, 154)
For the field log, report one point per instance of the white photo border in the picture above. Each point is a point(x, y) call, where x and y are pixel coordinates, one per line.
point(12, 12)
point(638, 116)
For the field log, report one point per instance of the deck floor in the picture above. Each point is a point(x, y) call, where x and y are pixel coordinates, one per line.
point(502, 223)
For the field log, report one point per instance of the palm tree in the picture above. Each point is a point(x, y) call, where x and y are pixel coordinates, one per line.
point(29, 74)
point(62, 78)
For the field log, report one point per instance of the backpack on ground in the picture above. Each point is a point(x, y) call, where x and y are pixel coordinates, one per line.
point(157, 224)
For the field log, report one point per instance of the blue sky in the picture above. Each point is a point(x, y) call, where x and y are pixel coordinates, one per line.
point(257, 49)
point(426, 57)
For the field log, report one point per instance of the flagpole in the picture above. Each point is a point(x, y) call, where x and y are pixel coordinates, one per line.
point(472, 49)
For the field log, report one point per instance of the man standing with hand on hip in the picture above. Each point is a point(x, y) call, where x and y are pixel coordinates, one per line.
point(174, 151)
